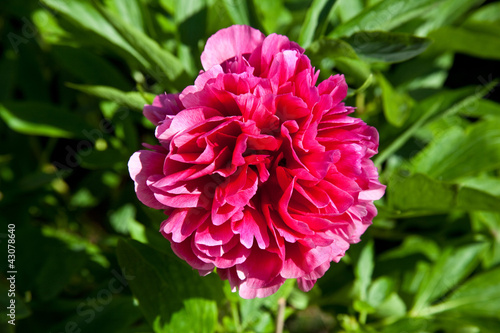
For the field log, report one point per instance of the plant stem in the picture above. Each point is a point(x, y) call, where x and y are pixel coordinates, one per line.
point(280, 320)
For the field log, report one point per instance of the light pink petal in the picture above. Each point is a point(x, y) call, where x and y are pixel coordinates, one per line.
point(143, 165)
point(228, 43)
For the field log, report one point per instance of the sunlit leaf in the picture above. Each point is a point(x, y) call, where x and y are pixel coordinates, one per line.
point(385, 15)
point(33, 118)
point(318, 8)
point(387, 46)
point(133, 100)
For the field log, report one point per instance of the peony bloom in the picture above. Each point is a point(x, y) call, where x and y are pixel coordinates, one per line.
point(262, 173)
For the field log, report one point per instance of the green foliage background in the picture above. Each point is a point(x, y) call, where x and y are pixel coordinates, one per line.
point(75, 75)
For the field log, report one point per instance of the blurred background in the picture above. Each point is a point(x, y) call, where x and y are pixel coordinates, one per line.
point(75, 75)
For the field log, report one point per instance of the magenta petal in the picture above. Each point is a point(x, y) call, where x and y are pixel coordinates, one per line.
point(263, 173)
point(184, 250)
point(252, 226)
point(334, 86)
point(163, 105)
point(182, 223)
point(228, 43)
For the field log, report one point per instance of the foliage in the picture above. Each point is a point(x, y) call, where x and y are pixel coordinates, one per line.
point(89, 258)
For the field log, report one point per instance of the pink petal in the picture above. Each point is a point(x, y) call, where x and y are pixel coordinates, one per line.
point(228, 43)
point(142, 165)
point(163, 105)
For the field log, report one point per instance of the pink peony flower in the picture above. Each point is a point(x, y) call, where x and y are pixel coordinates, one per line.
point(263, 174)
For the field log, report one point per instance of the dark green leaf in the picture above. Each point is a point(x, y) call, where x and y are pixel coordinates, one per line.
point(20, 307)
point(162, 282)
point(390, 47)
point(411, 245)
point(89, 67)
point(101, 313)
point(103, 159)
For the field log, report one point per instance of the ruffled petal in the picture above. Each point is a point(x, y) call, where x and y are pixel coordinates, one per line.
point(230, 42)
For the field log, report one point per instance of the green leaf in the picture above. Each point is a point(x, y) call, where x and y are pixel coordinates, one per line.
point(34, 118)
point(393, 306)
point(477, 297)
point(104, 159)
point(316, 9)
point(273, 15)
point(331, 49)
point(488, 13)
point(408, 325)
point(198, 316)
point(237, 10)
point(84, 15)
point(389, 47)
point(434, 107)
point(114, 315)
point(347, 9)
point(363, 271)
point(327, 53)
point(385, 15)
point(411, 245)
point(162, 282)
point(454, 265)
point(355, 70)
point(482, 108)
point(429, 196)
point(129, 10)
point(134, 100)
point(397, 106)
point(458, 153)
point(160, 60)
point(123, 221)
point(488, 224)
point(89, 67)
point(462, 40)
point(445, 14)
point(380, 290)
